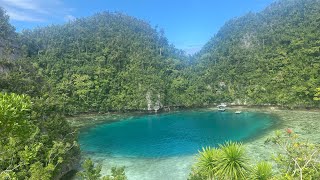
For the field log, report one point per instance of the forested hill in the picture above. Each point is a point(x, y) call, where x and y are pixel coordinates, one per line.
point(113, 62)
point(8, 38)
point(107, 62)
point(36, 142)
point(271, 57)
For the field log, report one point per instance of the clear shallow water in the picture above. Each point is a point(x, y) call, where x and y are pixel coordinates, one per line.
point(163, 146)
point(172, 134)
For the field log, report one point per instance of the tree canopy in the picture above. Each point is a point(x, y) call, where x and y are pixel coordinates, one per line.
point(33, 144)
point(115, 62)
point(107, 62)
point(270, 57)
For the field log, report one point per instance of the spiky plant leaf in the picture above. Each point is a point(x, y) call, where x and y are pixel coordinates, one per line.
point(207, 160)
point(262, 171)
point(233, 162)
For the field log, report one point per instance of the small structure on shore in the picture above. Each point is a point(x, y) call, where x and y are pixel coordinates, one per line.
point(222, 107)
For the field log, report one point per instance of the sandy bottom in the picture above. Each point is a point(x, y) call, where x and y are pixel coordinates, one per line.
point(148, 169)
point(304, 123)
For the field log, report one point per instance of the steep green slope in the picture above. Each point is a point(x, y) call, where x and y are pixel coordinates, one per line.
point(36, 142)
point(106, 62)
point(113, 62)
point(271, 57)
point(8, 38)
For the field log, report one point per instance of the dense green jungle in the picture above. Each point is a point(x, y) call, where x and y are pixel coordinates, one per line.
point(112, 62)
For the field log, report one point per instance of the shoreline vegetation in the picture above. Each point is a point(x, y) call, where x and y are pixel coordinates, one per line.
point(84, 120)
point(112, 62)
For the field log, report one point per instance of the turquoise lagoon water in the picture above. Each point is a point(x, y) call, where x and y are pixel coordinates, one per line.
point(163, 146)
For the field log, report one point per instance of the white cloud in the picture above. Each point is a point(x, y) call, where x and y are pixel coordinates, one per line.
point(26, 5)
point(23, 17)
point(35, 10)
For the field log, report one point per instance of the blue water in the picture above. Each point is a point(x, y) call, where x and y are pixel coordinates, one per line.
point(172, 134)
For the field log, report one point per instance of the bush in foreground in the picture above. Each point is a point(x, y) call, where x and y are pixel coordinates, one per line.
point(33, 144)
point(296, 159)
point(92, 172)
point(229, 161)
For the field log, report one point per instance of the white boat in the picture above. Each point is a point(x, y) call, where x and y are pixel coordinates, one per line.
point(221, 107)
point(238, 112)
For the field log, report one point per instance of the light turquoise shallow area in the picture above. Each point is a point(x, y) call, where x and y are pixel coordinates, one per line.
point(163, 146)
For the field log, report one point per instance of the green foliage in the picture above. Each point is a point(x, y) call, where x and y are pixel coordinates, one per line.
point(262, 171)
point(8, 38)
point(297, 158)
point(14, 115)
point(233, 163)
point(22, 78)
point(317, 95)
point(107, 62)
point(227, 162)
point(116, 174)
point(28, 147)
point(92, 172)
point(37, 171)
point(207, 161)
point(6, 28)
point(114, 62)
point(270, 57)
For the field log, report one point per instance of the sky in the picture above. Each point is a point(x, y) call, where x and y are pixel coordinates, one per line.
point(188, 24)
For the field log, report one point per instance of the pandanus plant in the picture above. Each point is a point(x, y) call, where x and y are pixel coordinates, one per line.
point(262, 171)
point(233, 163)
point(226, 162)
point(207, 161)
